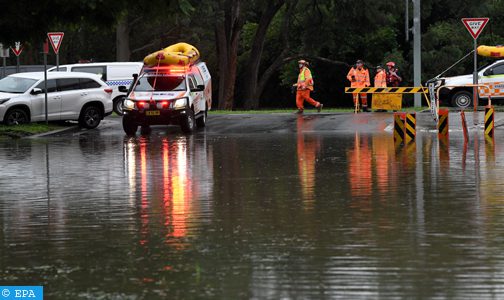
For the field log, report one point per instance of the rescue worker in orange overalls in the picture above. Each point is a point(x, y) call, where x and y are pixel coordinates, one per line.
point(380, 79)
point(304, 86)
point(359, 78)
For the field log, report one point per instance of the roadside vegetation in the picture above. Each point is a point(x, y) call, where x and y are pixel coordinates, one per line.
point(23, 130)
point(251, 47)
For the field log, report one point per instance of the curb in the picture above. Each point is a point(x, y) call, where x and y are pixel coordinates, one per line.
point(50, 132)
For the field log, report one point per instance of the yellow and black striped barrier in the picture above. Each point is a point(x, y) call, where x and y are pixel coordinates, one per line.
point(410, 127)
point(399, 128)
point(389, 90)
point(443, 124)
point(489, 121)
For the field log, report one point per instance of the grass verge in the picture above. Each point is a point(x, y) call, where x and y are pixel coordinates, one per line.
point(19, 131)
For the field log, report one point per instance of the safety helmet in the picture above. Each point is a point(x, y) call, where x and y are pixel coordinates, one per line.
point(304, 62)
point(391, 64)
point(359, 61)
point(379, 67)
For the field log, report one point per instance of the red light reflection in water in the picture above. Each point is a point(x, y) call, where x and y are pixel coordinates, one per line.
point(144, 205)
point(174, 196)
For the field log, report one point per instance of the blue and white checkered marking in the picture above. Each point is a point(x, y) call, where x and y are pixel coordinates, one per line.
point(119, 82)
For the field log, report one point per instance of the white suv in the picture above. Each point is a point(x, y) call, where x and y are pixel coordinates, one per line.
point(70, 96)
point(114, 74)
point(167, 95)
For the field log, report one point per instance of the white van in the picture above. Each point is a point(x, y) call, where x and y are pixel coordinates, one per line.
point(114, 74)
point(167, 95)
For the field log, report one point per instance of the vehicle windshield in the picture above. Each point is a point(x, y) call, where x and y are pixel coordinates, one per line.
point(484, 66)
point(150, 82)
point(17, 85)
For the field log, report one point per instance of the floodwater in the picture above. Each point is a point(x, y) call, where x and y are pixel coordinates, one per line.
point(297, 215)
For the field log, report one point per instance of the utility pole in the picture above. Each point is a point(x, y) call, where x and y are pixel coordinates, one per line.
point(417, 51)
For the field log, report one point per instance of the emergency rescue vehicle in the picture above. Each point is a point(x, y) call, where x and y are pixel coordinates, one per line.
point(455, 90)
point(164, 95)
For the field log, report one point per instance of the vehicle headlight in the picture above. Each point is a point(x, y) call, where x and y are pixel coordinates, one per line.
point(180, 103)
point(2, 101)
point(129, 104)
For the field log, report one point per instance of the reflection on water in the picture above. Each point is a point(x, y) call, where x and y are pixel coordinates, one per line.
point(264, 216)
point(167, 176)
point(307, 150)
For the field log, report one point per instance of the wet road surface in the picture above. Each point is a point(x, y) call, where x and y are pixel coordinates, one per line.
point(256, 207)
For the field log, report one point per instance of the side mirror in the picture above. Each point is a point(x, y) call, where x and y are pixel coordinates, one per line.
point(199, 88)
point(36, 91)
point(488, 72)
point(123, 89)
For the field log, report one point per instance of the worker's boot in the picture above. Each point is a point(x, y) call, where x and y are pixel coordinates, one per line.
point(364, 108)
point(319, 108)
point(299, 111)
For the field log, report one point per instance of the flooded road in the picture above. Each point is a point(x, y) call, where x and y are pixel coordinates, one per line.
point(310, 207)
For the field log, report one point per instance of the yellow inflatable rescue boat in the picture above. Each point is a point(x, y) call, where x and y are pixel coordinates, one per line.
point(181, 54)
point(491, 51)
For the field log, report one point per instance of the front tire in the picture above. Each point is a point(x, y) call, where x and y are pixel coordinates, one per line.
point(118, 105)
point(90, 117)
point(187, 122)
point(462, 99)
point(16, 116)
point(201, 121)
point(130, 128)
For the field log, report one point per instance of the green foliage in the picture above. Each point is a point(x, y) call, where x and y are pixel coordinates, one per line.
point(337, 30)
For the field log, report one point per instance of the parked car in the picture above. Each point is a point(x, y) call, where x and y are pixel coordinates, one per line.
point(168, 95)
point(70, 96)
point(457, 95)
point(114, 74)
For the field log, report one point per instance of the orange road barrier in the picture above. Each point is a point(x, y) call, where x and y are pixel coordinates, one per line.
point(410, 127)
point(443, 124)
point(464, 127)
point(489, 121)
point(399, 127)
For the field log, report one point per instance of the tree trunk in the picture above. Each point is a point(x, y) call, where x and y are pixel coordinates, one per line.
point(254, 61)
point(122, 39)
point(227, 38)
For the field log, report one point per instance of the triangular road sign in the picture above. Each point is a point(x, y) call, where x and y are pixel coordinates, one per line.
point(55, 38)
point(475, 25)
point(17, 49)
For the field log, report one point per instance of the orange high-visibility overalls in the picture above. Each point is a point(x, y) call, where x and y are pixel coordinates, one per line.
point(380, 79)
point(359, 79)
point(304, 86)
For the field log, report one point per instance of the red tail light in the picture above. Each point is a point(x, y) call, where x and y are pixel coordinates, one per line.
point(141, 104)
point(108, 90)
point(164, 103)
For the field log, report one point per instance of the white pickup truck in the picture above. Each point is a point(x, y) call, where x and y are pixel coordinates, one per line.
point(491, 75)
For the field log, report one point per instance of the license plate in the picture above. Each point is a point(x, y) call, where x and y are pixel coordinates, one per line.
point(152, 113)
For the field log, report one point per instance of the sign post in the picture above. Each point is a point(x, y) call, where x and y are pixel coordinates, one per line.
point(475, 27)
point(4, 53)
point(56, 38)
point(17, 51)
point(46, 51)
